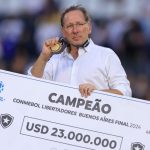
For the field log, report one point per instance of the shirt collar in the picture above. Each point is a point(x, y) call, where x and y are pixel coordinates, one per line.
point(89, 47)
point(84, 49)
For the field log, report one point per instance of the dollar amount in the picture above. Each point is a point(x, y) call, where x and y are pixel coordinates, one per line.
point(70, 135)
point(148, 132)
point(79, 137)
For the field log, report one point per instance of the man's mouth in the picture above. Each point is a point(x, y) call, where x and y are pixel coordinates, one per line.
point(76, 38)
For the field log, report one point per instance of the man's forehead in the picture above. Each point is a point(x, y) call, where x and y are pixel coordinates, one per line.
point(74, 15)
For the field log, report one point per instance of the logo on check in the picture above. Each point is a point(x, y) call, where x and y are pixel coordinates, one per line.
point(137, 146)
point(6, 120)
point(1, 89)
point(1, 86)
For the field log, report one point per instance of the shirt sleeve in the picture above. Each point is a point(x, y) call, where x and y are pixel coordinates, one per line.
point(48, 71)
point(117, 78)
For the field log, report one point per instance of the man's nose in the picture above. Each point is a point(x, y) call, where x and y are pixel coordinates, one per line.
point(75, 29)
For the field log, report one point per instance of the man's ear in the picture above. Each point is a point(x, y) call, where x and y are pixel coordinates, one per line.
point(90, 27)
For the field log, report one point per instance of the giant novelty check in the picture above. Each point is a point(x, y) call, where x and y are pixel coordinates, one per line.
point(37, 114)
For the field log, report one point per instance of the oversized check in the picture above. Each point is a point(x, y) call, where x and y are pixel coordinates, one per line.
point(36, 114)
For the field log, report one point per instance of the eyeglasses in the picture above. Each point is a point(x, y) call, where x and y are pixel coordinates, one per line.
point(78, 25)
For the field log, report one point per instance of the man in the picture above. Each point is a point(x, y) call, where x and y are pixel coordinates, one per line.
point(82, 63)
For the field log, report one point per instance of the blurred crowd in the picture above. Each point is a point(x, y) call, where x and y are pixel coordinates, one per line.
point(24, 25)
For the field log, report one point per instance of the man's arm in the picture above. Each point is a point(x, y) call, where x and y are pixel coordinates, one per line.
point(117, 78)
point(39, 66)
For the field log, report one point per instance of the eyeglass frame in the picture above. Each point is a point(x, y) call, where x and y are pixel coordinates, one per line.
point(78, 25)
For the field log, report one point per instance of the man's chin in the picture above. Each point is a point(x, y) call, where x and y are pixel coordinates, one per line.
point(77, 44)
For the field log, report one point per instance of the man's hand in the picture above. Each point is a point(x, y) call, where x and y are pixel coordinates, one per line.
point(86, 89)
point(47, 51)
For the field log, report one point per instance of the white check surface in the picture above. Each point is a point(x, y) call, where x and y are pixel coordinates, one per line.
point(36, 114)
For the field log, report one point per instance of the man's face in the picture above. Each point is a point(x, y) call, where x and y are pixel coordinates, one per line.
point(76, 29)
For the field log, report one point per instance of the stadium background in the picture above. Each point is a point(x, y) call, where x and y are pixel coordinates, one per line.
point(123, 25)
